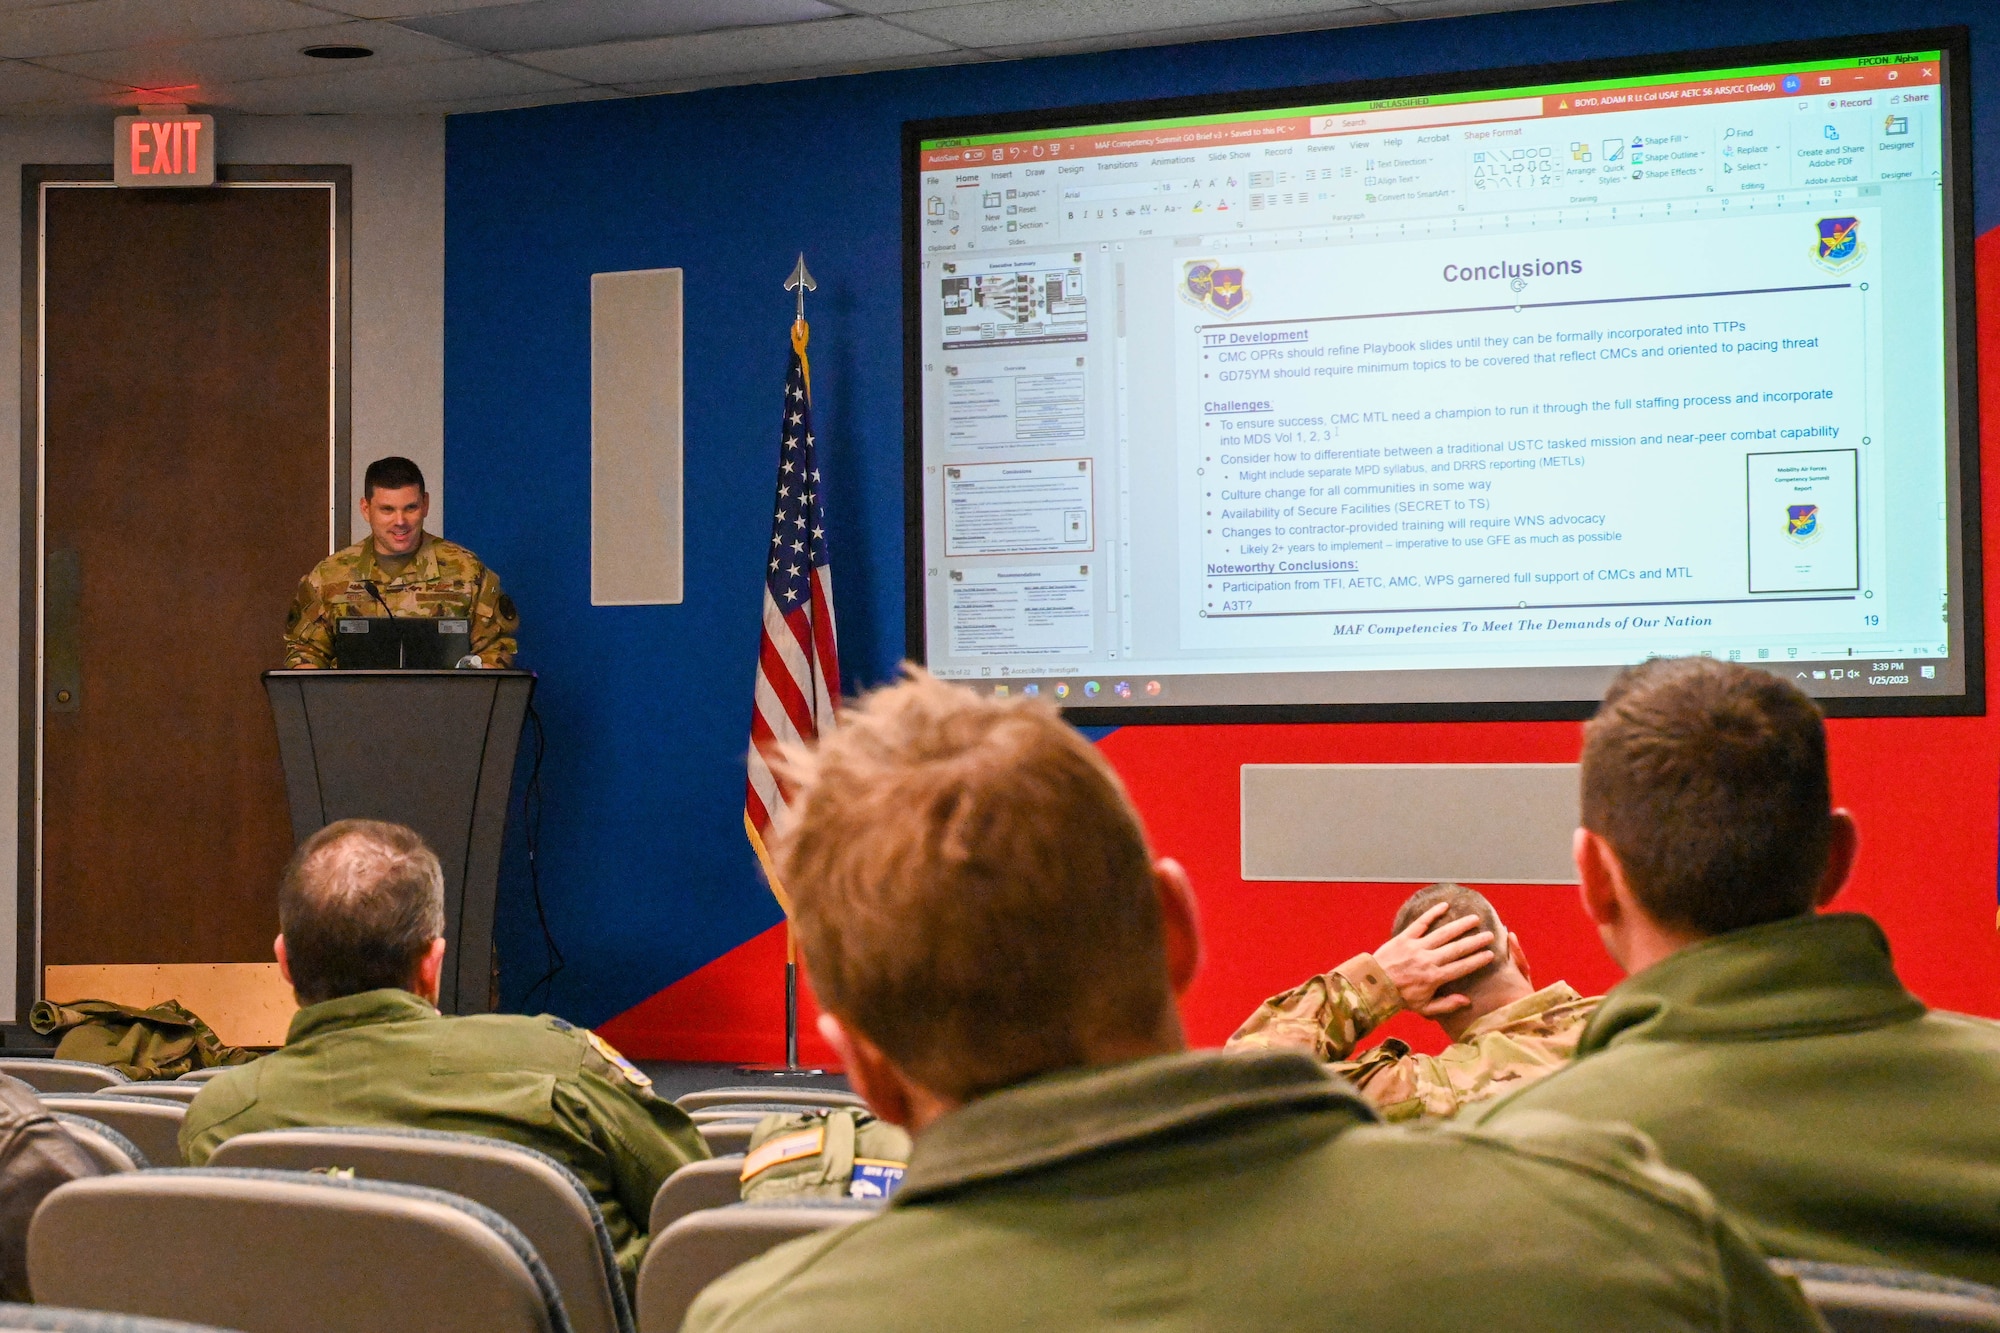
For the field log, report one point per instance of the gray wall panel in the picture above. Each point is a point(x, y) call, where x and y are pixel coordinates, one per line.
point(635, 438)
point(1391, 823)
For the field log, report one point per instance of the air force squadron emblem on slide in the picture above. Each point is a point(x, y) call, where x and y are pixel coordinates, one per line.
point(1840, 246)
point(1802, 523)
point(1222, 290)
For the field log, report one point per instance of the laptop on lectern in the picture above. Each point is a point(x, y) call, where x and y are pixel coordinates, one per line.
point(413, 643)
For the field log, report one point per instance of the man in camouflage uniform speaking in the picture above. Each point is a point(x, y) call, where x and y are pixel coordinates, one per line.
point(1440, 961)
point(362, 909)
point(399, 570)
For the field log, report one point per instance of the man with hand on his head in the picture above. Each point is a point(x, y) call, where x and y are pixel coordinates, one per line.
point(1449, 959)
point(997, 955)
point(1769, 1049)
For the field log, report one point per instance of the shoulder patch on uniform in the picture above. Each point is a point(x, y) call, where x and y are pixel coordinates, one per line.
point(561, 1024)
point(875, 1179)
point(506, 605)
point(618, 1062)
point(784, 1148)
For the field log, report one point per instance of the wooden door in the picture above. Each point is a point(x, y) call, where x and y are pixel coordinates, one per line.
point(192, 470)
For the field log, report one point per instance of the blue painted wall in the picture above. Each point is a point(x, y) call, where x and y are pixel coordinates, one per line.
point(644, 867)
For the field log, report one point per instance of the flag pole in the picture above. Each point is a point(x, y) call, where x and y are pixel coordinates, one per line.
point(800, 282)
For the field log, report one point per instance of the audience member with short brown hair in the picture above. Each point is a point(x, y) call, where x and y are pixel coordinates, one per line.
point(997, 954)
point(362, 909)
point(1767, 1048)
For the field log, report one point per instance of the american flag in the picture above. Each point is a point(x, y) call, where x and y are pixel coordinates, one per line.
point(798, 667)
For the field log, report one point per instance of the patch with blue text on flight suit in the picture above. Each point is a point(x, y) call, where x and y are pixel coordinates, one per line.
point(875, 1179)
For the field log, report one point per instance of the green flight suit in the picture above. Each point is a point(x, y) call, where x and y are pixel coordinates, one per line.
point(1253, 1190)
point(385, 1057)
point(1788, 1069)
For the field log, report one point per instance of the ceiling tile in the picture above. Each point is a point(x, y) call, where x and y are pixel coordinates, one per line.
point(21, 83)
point(269, 55)
point(397, 9)
point(901, 6)
point(515, 101)
point(1016, 23)
point(106, 25)
point(1438, 9)
point(390, 87)
point(542, 25)
point(829, 44)
point(694, 83)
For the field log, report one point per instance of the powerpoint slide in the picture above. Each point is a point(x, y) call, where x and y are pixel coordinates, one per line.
point(1036, 401)
point(1040, 612)
point(1542, 423)
point(1804, 530)
point(1017, 508)
point(1013, 301)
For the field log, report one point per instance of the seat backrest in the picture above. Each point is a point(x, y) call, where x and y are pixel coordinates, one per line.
point(58, 1319)
point(538, 1194)
point(204, 1075)
point(728, 1136)
point(288, 1252)
point(60, 1075)
point(701, 1247)
point(1855, 1299)
point(715, 1183)
point(110, 1149)
point(171, 1089)
point(153, 1123)
point(766, 1098)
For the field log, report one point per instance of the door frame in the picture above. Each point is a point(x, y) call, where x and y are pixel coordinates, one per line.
point(36, 182)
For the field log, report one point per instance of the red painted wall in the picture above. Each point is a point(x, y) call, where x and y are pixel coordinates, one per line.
point(1925, 791)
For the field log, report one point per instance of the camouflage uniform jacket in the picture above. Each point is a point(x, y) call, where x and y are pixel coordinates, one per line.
point(385, 1057)
point(1252, 1190)
point(443, 579)
point(1329, 1015)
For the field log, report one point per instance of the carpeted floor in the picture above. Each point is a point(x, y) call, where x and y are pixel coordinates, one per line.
point(672, 1079)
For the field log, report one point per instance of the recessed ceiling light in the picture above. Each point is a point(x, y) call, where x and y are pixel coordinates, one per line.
point(336, 52)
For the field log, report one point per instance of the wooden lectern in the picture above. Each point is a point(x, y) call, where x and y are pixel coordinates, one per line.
point(430, 749)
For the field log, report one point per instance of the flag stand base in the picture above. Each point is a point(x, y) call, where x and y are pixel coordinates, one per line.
point(785, 1071)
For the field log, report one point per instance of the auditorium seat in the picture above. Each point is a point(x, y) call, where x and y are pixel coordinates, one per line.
point(172, 1090)
point(204, 1075)
point(783, 1098)
point(715, 1183)
point(108, 1147)
point(704, 1245)
point(153, 1123)
point(57, 1319)
point(538, 1194)
point(1854, 1299)
point(61, 1075)
point(288, 1252)
point(729, 1135)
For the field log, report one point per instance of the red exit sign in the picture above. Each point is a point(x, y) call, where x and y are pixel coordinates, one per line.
point(163, 150)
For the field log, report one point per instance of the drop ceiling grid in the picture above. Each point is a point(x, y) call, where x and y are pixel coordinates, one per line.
point(465, 55)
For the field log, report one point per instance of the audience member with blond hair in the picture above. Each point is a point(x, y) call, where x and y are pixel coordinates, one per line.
point(998, 955)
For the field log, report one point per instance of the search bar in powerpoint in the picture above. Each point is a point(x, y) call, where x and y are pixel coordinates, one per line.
point(1406, 118)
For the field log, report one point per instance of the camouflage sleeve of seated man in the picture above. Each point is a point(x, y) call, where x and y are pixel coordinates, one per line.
point(495, 622)
point(309, 629)
point(1328, 1015)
